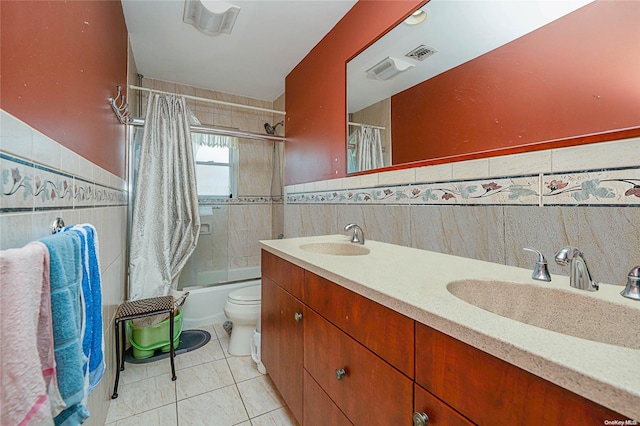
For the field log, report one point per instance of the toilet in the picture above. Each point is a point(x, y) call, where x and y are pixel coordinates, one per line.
point(243, 310)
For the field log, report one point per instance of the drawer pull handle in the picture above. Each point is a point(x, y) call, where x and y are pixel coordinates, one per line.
point(340, 373)
point(297, 316)
point(420, 419)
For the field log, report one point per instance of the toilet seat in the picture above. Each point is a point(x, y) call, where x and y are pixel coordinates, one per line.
point(246, 296)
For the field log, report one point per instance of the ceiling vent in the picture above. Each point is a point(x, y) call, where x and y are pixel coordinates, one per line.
point(388, 68)
point(421, 52)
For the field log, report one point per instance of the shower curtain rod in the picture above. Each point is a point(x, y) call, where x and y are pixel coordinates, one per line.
point(139, 122)
point(213, 101)
point(351, 123)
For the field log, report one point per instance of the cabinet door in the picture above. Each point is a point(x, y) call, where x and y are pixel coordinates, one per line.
point(319, 409)
point(281, 343)
point(370, 392)
point(490, 391)
point(438, 412)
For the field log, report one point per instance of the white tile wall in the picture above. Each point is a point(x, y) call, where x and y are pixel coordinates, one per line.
point(17, 228)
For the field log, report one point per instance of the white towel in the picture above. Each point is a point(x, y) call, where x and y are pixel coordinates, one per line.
point(28, 390)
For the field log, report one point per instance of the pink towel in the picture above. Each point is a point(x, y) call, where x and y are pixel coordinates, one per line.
point(28, 388)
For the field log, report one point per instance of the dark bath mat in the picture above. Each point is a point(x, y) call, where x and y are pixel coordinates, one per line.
point(189, 340)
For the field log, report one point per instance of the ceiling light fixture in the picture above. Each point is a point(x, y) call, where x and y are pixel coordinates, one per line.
point(416, 17)
point(210, 17)
point(388, 68)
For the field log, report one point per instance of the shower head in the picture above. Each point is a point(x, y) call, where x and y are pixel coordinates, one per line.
point(271, 130)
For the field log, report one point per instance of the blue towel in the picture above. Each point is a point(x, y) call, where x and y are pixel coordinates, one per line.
point(66, 278)
point(93, 338)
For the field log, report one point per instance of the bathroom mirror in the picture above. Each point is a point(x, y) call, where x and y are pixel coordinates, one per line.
point(475, 79)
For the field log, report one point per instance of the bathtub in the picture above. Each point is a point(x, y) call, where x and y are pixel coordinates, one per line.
point(205, 305)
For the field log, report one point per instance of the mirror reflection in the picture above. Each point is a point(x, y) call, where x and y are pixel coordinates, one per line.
point(468, 77)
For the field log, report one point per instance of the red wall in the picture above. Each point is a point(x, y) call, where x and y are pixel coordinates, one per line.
point(315, 91)
point(60, 62)
point(576, 76)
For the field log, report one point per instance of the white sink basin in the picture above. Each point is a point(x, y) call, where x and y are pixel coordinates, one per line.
point(555, 310)
point(336, 249)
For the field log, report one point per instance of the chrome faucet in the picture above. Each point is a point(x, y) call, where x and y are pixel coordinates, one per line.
point(354, 237)
point(579, 275)
point(540, 271)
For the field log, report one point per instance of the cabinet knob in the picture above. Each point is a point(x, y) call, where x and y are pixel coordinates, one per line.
point(340, 373)
point(420, 419)
point(297, 316)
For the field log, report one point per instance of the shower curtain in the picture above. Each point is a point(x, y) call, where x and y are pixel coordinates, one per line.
point(165, 221)
point(368, 149)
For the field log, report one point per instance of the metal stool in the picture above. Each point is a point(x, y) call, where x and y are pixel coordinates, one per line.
point(138, 309)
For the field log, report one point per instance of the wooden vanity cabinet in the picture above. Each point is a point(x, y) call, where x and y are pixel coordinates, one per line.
point(490, 391)
point(392, 365)
point(282, 329)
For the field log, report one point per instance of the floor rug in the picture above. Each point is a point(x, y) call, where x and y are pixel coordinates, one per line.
point(189, 340)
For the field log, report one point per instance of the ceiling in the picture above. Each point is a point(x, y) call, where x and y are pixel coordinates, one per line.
point(268, 40)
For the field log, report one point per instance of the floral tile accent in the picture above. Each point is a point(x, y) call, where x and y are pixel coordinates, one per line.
point(52, 190)
point(83, 193)
point(16, 184)
point(516, 190)
point(381, 195)
point(504, 191)
point(604, 187)
point(28, 186)
point(208, 200)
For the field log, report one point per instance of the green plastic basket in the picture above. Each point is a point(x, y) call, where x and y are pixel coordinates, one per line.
point(145, 340)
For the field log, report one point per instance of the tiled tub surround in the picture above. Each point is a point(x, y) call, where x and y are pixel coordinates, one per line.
point(490, 209)
point(236, 225)
point(42, 180)
point(601, 376)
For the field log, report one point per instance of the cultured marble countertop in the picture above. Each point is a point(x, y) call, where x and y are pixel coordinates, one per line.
point(413, 282)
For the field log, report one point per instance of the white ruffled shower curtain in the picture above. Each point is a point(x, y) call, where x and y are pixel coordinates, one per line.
point(368, 149)
point(165, 221)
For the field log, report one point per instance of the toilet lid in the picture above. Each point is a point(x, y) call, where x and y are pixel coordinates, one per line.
point(246, 296)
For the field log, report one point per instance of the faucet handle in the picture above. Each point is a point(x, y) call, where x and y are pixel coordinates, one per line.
point(541, 270)
point(632, 290)
point(565, 254)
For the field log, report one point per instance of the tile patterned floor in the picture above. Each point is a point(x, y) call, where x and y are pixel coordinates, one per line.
point(213, 389)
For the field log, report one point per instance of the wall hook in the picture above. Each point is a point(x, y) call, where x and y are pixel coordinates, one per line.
point(121, 110)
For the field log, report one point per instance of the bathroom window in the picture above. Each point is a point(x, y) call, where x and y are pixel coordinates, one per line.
point(216, 171)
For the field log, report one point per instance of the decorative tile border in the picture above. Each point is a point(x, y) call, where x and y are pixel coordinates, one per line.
point(29, 186)
point(606, 187)
point(211, 201)
point(620, 187)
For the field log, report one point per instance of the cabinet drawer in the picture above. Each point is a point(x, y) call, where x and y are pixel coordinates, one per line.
point(488, 390)
point(439, 413)
point(286, 274)
point(319, 409)
point(383, 330)
point(371, 392)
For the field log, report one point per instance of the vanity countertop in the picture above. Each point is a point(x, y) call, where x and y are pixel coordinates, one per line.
point(413, 282)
